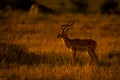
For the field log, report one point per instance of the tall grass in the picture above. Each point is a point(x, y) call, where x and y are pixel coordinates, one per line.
point(37, 54)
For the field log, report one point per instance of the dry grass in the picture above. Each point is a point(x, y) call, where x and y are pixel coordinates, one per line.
point(44, 57)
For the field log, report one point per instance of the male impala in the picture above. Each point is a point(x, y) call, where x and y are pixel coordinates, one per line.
point(88, 45)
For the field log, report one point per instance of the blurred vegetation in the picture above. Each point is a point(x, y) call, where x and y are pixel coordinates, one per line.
point(82, 6)
point(61, 6)
point(110, 7)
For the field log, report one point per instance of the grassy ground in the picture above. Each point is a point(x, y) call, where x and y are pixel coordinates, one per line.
point(30, 50)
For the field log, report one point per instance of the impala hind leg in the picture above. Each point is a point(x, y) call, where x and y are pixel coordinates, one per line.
point(93, 55)
point(92, 58)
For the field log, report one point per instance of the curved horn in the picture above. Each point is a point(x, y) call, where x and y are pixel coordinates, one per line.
point(68, 24)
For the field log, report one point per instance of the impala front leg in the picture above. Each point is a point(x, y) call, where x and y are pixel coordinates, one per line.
point(73, 56)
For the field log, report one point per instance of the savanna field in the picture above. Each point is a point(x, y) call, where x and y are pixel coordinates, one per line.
point(30, 49)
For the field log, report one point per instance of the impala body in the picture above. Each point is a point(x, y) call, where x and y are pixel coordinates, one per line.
point(88, 45)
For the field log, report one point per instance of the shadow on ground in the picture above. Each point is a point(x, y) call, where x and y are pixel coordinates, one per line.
point(19, 55)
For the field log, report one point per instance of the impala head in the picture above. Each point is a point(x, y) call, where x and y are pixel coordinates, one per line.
point(64, 30)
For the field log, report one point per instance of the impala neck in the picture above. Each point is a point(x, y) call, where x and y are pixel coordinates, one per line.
point(66, 40)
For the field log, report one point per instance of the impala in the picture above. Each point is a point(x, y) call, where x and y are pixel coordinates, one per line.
point(75, 45)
